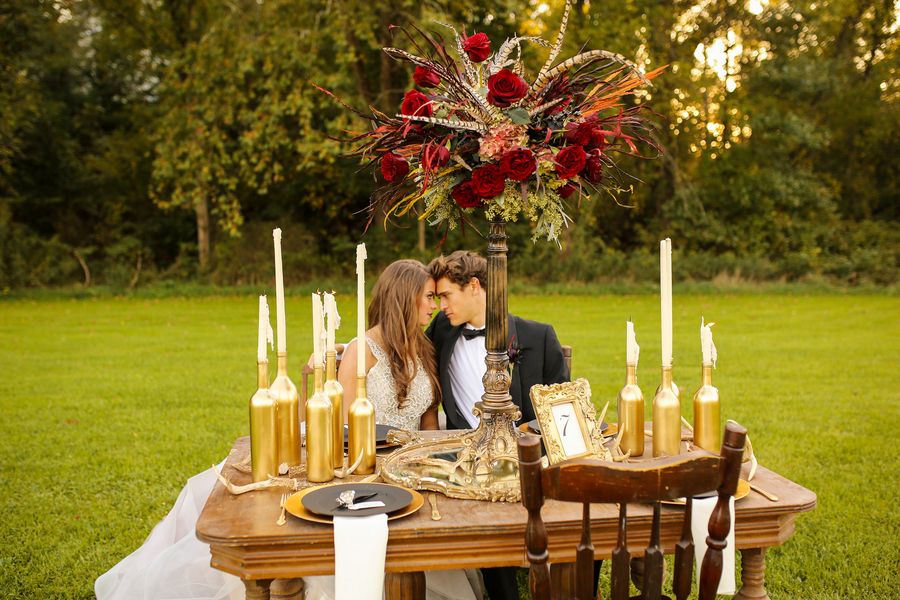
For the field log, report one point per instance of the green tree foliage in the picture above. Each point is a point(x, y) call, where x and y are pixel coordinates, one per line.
point(778, 122)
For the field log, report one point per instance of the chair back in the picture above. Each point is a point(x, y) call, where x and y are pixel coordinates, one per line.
point(593, 481)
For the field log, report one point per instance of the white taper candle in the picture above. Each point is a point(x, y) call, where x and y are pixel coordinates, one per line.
point(360, 311)
point(665, 299)
point(318, 354)
point(707, 346)
point(334, 320)
point(265, 330)
point(279, 294)
point(632, 350)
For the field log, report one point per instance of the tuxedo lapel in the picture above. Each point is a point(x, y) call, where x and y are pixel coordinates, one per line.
point(444, 368)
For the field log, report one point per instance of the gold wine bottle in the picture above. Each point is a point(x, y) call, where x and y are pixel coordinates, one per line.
point(288, 400)
point(319, 433)
point(361, 434)
point(335, 392)
point(263, 427)
point(630, 404)
point(707, 426)
point(666, 418)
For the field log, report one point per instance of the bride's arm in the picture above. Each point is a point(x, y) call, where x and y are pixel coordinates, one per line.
point(347, 376)
point(430, 419)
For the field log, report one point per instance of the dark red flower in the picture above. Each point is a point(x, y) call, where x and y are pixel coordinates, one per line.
point(518, 164)
point(435, 156)
point(416, 103)
point(570, 161)
point(393, 167)
point(558, 108)
point(505, 87)
point(593, 168)
point(477, 47)
point(567, 190)
point(426, 78)
point(464, 196)
point(581, 133)
point(488, 181)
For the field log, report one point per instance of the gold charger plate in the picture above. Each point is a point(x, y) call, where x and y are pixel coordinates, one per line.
point(743, 489)
point(294, 505)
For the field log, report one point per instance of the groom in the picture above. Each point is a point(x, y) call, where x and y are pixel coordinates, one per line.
point(459, 339)
point(458, 334)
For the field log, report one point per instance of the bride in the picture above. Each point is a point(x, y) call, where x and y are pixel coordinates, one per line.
point(402, 383)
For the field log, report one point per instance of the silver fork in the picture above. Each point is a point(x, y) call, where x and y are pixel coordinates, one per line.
point(281, 518)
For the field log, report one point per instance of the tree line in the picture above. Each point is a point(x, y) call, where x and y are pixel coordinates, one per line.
point(163, 140)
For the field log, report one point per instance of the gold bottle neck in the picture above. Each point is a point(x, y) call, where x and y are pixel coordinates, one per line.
point(630, 374)
point(318, 378)
point(706, 374)
point(331, 365)
point(360, 387)
point(282, 363)
point(667, 378)
point(262, 374)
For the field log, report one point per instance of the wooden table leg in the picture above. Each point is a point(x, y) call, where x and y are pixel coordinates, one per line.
point(286, 589)
point(562, 581)
point(404, 586)
point(257, 589)
point(753, 575)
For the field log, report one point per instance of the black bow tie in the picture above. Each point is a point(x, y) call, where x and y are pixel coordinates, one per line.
point(471, 334)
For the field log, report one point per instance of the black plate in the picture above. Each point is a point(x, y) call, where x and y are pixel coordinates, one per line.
point(324, 501)
point(381, 432)
point(536, 427)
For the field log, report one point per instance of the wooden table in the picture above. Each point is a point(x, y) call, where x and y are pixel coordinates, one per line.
point(245, 541)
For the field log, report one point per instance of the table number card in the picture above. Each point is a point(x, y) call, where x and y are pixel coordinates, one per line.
point(568, 421)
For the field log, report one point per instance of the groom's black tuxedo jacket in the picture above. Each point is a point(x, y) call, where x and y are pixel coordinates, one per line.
point(540, 362)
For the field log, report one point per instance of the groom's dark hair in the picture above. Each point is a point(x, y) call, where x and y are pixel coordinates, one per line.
point(459, 267)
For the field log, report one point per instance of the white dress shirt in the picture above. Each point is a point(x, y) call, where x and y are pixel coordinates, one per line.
point(467, 368)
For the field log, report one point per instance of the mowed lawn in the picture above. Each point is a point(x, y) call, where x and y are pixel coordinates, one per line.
point(109, 406)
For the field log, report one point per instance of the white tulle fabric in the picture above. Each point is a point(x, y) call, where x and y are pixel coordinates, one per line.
point(382, 391)
point(172, 563)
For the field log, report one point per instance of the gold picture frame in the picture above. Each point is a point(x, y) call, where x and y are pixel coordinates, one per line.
point(568, 421)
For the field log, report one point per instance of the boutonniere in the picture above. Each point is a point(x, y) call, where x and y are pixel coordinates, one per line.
point(514, 353)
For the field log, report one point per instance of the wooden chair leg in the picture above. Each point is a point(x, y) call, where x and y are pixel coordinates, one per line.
point(257, 589)
point(753, 575)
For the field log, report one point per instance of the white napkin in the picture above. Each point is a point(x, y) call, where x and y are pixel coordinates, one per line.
point(360, 545)
point(702, 509)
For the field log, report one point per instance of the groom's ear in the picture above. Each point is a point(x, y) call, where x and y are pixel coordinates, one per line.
point(476, 285)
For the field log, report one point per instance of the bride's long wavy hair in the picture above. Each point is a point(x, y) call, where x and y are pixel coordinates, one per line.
point(394, 307)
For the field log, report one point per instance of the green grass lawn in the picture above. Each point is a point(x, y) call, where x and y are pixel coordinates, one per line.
point(109, 405)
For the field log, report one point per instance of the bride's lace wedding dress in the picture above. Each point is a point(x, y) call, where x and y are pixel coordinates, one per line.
point(173, 564)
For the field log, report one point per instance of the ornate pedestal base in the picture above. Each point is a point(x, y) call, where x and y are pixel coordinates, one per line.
point(492, 445)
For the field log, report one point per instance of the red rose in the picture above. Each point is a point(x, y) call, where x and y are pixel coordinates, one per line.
point(464, 196)
point(518, 165)
point(435, 156)
point(593, 168)
point(505, 87)
point(488, 181)
point(570, 161)
point(416, 103)
point(477, 47)
point(393, 167)
point(581, 133)
point(426, 78)
point(567, 190)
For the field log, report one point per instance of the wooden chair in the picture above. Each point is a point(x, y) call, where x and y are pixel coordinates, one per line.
point(648, 481)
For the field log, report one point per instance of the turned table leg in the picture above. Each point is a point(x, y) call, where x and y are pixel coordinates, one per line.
point(753, 575)
point(257, 589)
point(404, 586)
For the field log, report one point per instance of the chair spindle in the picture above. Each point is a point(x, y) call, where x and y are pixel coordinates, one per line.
point(684, 556)
point(584, 558)
point(620, 577)
point(535, 531)
point(653, 561)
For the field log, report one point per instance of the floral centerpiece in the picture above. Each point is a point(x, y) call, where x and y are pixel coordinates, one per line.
point(479, 134)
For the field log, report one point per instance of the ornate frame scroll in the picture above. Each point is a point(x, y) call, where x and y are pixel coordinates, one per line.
point(551, 406)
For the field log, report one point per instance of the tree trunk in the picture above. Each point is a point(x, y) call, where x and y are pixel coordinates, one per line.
point(203, 233)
